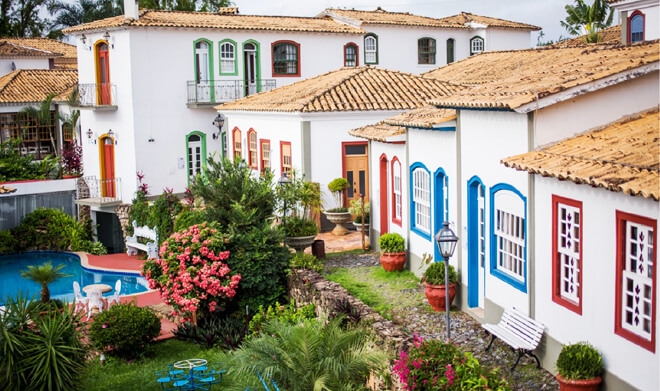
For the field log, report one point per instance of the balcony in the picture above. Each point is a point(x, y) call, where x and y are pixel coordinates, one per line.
point(98, 192)
point(207, 93)
point(101, 97)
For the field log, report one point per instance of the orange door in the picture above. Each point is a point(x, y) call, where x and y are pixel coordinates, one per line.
point(108, 169)
point(356, 171)
point(104, 75)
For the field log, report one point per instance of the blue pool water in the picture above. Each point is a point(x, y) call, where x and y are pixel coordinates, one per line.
point(11, 281)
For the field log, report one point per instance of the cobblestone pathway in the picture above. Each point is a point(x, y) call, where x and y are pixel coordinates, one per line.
point(414, 314)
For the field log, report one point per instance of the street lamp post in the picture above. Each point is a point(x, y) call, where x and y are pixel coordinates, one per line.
point(282, 182)
point(446, 240)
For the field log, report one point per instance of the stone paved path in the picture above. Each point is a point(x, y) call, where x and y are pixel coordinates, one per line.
point(414, 314)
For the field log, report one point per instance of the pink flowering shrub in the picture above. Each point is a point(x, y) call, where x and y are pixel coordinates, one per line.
point(435, 365)
point(192, 274)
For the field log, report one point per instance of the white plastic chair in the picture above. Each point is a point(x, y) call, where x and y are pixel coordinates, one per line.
point(95, 299)
point(115, 298)
point(79, 300)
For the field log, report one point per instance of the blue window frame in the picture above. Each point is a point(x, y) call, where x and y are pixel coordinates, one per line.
point(476, 240)
point(440, 204)
point(508, 235)
point(636, 27)
point(420, 200)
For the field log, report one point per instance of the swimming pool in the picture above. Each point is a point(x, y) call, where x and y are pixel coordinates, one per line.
point(11, 281)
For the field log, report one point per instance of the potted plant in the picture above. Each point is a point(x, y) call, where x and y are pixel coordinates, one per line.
point(71, 161)
point(580, 367)
point(339, 215)
point(393, 254)
point(357, 211)
point(436, 291)
point(304, 197)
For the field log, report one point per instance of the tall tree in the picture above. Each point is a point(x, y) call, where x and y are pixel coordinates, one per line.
point(186, 5)
point(588, 20)
point(69, 14)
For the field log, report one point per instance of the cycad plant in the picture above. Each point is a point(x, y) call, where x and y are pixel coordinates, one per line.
point(308, 357)
point(44, 275)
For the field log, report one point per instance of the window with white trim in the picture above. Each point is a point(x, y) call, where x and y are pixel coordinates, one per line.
point(567, 243)
point(396, 189)
point(476, 45)
point(252, 150)
point(509, 234)
point(481, 204)
point(227, 58)
point(422, 199)
point(370, 49)
point(265, 155)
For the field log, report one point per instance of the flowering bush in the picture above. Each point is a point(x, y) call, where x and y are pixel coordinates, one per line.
point(190, 273)
point(432, 365)
point(72, 159)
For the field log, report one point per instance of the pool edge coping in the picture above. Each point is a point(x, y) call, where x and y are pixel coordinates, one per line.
point(84, 262)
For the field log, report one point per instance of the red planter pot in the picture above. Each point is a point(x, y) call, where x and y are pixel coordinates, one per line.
point(578, 385)
point(393, 262)
point(436, 296)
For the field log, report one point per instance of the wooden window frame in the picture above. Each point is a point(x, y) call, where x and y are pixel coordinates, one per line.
point(298, 65)
point(237, 147)
point(263, 141)
point(556, 255)
point(630, 18)
point(430, 51)
point(453, 50)
point(396, 220)
point(621, 219)
point(357, 54)
point(282, 144)
point(375, 38)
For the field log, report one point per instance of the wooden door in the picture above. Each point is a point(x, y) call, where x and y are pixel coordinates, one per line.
point(356, 171)
point(104, 75)
point(108, 168)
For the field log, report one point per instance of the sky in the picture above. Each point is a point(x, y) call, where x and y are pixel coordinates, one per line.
point(543, 13)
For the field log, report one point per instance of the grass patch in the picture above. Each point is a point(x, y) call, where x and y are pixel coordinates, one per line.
point(340, 253)
point(367, 284)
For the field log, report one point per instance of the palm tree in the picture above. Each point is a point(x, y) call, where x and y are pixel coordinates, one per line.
point(43, 116)
point(309, 357)
point(583, 19)
point(44, 275)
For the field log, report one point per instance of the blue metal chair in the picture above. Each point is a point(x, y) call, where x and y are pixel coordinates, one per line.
point(216, 371)
point(169, 382)
point(264, 383)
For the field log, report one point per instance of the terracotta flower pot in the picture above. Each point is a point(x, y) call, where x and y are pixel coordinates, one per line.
point(578, 385)
point(393, 262)
point(436, 295)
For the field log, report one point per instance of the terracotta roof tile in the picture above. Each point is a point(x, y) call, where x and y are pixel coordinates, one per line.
point(347, 89)
point(622, 157)
point(510, 79)
point(422, 117)
point(380, 16)
point(610, 35)
point(33, 85)
point(8, 49)
point(208, 20)
point(69, 54)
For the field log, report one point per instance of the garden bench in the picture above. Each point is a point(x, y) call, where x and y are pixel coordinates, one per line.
point(519, 331)
point(151, 248)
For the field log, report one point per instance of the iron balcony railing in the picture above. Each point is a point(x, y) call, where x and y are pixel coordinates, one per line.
point(220, 91)
point(97, 95)
point(103, 190)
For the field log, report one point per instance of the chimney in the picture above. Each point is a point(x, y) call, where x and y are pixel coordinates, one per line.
point(131, 9)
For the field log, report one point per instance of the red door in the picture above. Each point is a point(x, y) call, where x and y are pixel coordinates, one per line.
point(108, 173)
point(383, 195)
point(104, 75)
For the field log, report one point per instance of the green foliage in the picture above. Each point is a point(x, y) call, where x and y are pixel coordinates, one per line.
point(435, 274)
point(345, 312)
point(160, 214)
point(391, 243)
point(125, 329)
point(306, 261)
point(338, 184)
point(14, 167)
point(356, 207)
point(580, 361)
point(188, 218)
point(337, 210)
point(226, 332)
point(69, 14)
point(358, 219)
point(289, 314)
point(433, 365)
point(41, 347)
point(44, 275)
point(8, 244)
point(185, 5)
point(588, 20)
point(310, 356)
point(297, 226)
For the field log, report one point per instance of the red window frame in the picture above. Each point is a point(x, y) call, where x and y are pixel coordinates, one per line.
point(253, 163)
point(272, 59)
point(357, 54)
point(621, 219)
point(394, 219)
point(556, 256)
point(282, 144)
point(263, 141)
point(637, 12)
point(238, 150)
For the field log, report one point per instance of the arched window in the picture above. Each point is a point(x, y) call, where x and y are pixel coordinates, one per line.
point(636, 27)
point(286, 58)
point(426, 51)
point(285, 157)
point(351, 55)
point(196, 153)
point(252, 149)
point(103, 96)
point(238, 154)
point(450, 50)
point(228, 58)
point(371, 49)
point(420, 214)
point(265, 155)
point(508, 241)
point(476, 45)
point(396, 192)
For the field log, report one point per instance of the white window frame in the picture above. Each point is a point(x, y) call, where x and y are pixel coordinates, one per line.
point(509, 234)
point(422, 199)
point(396, 186)
point(568, 249)
point(635, 275)
point(477, 45)
point(227, 58)
point(370, 49)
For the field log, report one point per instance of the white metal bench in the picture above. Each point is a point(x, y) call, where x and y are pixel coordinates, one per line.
point(151, 248)
point(519, 331)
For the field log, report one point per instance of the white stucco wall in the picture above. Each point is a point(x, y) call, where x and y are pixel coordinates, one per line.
point(507, 39)
point(22, 63)
point(651, 11)
point(623, 358)
point(391, 151)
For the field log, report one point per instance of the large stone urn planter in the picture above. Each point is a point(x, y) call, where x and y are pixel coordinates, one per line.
point(578, 385)
point(300, 243)
point(436, 295)
point(359, 227)
point(393, 262)
point(339, 219)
